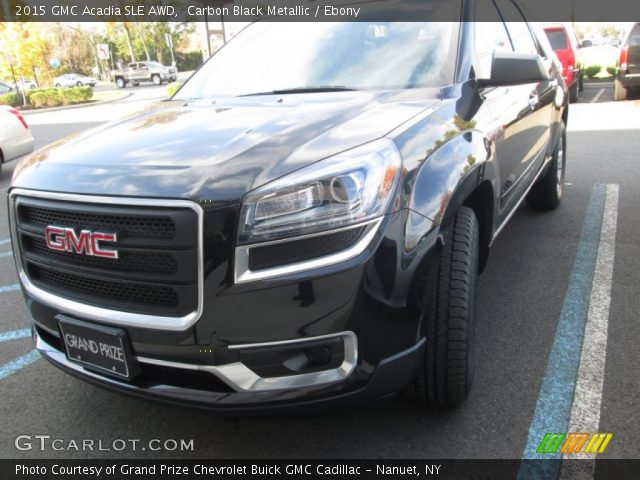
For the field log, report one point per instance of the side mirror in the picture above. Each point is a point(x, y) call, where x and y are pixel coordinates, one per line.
point(510, 68)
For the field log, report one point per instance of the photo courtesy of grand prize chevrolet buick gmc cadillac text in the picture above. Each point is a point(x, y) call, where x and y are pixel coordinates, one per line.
point(303, 222)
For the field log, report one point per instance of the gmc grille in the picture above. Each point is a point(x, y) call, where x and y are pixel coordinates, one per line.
point(156, 272)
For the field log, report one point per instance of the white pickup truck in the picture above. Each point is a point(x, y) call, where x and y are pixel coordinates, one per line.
point(149, 71)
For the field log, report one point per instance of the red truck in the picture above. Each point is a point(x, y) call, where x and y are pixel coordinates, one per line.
point(564, 42)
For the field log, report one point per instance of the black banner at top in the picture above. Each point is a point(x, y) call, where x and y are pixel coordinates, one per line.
point(306, 10)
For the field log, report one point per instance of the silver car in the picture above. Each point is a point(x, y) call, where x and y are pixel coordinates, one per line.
point(74, 80)
point(16, 138)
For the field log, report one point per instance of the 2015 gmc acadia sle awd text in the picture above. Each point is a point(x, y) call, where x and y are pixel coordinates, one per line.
point(303, 222)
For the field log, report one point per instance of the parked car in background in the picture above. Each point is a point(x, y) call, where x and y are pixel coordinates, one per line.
point(628, 76)
point(16, 138)
point(138, 72)
point(5, 88)
point(28, 84)
point(564, 42)
point(74, 80)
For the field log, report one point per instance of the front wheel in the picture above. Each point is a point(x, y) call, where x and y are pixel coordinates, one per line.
point(547, 191)
point(78, 84)
point(156, 80)
point(448, 318)
point(120, 82)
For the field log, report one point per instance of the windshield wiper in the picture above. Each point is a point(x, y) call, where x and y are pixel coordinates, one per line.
point(309, 89)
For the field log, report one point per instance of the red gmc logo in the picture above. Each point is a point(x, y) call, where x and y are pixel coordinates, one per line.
point(87, 243)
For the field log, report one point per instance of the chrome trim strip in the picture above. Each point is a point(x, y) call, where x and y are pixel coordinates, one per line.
point(242, 273)
point(242, 379)
point(91, 312)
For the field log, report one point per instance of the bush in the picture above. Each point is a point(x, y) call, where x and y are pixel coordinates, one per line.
point(612, 71)
point(187, 61)
point(173, 88)
point(592, 70)
point(10, 99)
point(54, 97)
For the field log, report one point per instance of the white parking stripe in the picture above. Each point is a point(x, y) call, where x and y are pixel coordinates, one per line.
point(598, 95)
point(587, 400)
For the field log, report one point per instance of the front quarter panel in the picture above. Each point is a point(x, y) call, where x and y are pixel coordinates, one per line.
point(451, 167)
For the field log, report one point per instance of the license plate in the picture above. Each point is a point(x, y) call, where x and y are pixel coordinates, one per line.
point(96, 347)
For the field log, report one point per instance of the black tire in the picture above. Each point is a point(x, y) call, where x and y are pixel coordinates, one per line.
point(619, 92)
point(120, 83)
point(448, 316)
point(547, 192)
point(580, 81)
point(78, 84)
point(574, 92)
point(57, 85)
point(156, 80)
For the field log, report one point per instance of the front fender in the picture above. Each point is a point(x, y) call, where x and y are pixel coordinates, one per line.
point(445, 180)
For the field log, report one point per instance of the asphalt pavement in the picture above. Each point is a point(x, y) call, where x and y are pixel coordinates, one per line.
point(522, 297)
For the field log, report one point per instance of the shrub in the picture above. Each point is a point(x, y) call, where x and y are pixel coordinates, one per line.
point(10, 99)
point(73, 95)
point(592, 70)
point(53, 97)
point(173, 88)
point(186, 61)
point(612, 71)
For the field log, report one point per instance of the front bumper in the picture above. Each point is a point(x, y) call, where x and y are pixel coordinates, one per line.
point(390, 375)
point(364, 298)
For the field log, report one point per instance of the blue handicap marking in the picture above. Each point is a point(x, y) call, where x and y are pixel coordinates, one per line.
point(19, 363)
point(9, 288)
point(15, 335)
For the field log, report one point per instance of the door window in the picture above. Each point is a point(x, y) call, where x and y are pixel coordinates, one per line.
point(490, 36)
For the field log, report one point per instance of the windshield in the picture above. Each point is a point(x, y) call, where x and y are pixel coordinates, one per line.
point(267, 57)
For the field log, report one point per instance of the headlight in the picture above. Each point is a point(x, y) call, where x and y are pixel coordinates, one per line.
point(349, 188)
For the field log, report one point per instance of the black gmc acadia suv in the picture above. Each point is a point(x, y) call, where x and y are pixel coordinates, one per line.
point(303, 222)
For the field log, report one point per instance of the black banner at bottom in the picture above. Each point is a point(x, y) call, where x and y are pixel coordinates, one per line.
point(312, 469)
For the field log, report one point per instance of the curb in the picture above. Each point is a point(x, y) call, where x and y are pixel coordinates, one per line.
point(78, 105)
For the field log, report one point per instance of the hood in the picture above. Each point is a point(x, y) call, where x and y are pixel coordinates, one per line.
point(216, 150)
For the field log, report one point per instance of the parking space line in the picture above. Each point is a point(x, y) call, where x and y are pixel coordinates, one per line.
point(15, 335)
point(598, 95)
point(19, 363)
point(9, 288)
point(5, 241)
point(6, 254)
point(587, 399)
point(554, 404)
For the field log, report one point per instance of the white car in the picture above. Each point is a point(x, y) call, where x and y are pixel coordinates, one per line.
point(28, 84)
point(16, 138)
point(74, 80)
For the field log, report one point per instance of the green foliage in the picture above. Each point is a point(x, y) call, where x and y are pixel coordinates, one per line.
point(54, 97)
point(173, 88)
point(10, 99)
point(592, 70)
point(188, 61)
point(612, 71)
